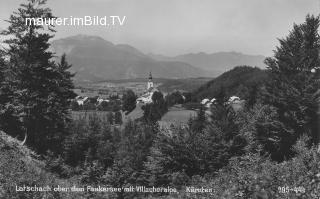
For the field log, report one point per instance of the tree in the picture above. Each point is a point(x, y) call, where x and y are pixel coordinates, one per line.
point(177, 156)
point(90, 140)
point(89, 106)
point(110, 118)
point(9, 121)
point(199, 123)
point(132, 151)
point(74, 105)
point(129, 101)
point(221, 96)
point(155, 110)
point(114, 105)
point(253, 95)
point(294, 89)
point(104, 106)
point(159, 102)
point(224, 117)
point(118, 118)
point(174, 98)
point(63, 92)
point(188, 96)
point(255, 176)
point(42, 88)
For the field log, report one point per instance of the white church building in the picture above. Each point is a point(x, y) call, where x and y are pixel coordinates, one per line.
point(146, 98)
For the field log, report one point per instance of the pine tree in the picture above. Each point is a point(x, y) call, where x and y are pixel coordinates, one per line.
point(132, 151)
point(294, 86)
point(9, 121)
point(42, 88)
point(129, 101)
point(253, 96)
point(223, 117)
point(110, 118)
point(118, 118)
point(176, 156)
point(199, 123)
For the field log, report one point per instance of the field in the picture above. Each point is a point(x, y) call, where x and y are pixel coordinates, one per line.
point(176, 115)
point(107, 88)
point(135, 114)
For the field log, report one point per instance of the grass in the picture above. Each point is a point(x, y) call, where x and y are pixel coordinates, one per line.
point(135, 114)
point(176, 115)
point(19, 166)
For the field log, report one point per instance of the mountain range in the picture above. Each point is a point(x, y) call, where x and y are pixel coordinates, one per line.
point(216, 63)
point(95, 59)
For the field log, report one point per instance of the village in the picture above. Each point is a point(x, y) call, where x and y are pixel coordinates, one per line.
point(179, 112)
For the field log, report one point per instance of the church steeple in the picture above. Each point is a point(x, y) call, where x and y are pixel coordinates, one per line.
point(150, 83)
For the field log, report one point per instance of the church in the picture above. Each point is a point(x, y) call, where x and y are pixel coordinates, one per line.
point(146, 98)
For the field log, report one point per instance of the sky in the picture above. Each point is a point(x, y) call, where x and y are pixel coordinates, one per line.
point(173, 27)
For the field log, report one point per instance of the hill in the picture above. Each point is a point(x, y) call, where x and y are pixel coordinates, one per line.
point(95, 59)
point(216, 63)
point(19, 166)
point(238, 81)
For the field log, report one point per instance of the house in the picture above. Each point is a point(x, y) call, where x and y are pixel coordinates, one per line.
point(210, 102)
point(213, 100)
point(81, 100)
point(205, 101)
point(233, 99)
point(100, 100)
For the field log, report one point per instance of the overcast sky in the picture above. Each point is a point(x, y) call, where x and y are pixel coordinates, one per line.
point(173, 27)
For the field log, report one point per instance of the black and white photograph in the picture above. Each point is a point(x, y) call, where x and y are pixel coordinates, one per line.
point(159, 99)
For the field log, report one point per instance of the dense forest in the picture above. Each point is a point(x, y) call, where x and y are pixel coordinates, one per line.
point(241, 81)
point(268, 149)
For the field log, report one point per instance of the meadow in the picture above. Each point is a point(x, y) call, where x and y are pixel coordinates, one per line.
point(177, 115)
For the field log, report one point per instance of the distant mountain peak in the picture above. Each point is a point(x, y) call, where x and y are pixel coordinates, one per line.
point(85, 39)
point(95, 59)
point(83, 36)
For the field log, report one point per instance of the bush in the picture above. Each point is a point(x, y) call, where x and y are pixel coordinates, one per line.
point(19, 166)
point(179, 154)
point(253, 176)
point(174, 98)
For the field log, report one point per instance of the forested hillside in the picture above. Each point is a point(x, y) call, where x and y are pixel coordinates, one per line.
point(239, 81)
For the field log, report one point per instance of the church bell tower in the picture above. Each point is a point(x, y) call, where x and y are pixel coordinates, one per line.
point(150, 82)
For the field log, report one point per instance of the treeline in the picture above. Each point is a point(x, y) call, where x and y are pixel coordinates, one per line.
point(113, 105)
